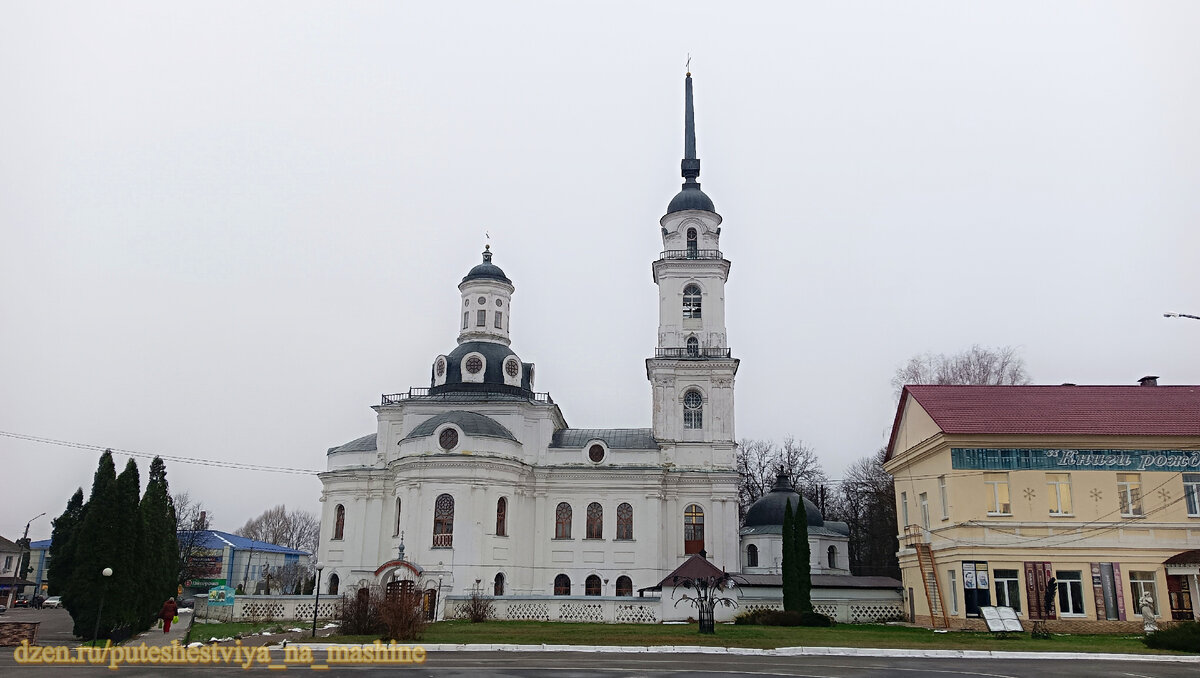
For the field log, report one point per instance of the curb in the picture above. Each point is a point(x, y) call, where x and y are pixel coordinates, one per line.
point(790, 652)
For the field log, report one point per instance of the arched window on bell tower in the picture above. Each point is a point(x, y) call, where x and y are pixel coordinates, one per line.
point(691, 301)
point(693, 246)
point(693, 347)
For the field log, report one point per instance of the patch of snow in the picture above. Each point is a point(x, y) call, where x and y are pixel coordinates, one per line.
point(296, 630)
point(196, 644)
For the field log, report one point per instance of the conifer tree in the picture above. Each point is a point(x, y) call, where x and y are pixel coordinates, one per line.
point(803, 566)
point(126, 586)
point(791, 590)
point(160, 544)
point(62, 542)
point(95, 547)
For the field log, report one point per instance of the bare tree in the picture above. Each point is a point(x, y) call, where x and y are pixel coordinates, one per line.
point(191, 521)
point(977, 365)
point(296, 529)
point(760, 461)
point(867, 504)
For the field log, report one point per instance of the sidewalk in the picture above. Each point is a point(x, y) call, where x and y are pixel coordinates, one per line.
point(155, 636)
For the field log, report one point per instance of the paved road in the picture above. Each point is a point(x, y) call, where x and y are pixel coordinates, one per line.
point(587, 665)
point(56, 625)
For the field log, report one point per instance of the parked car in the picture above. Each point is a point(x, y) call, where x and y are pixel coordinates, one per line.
point(53, 601)
point(21, 602)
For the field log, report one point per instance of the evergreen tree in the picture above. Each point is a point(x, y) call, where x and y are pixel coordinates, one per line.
point(159, 541)
point(791, 590)
point(58, 571)
point(803, 567)
point(126, 587)
point(96, 545)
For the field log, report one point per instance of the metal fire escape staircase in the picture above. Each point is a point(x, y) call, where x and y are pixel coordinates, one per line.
point(918, 538)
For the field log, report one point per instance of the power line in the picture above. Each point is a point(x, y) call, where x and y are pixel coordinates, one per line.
point(217, 463)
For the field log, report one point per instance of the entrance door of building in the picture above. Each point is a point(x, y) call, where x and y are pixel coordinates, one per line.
point(1180, 594)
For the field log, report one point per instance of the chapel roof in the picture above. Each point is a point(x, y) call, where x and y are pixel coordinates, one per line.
point(614, 438)
point(471, 423)
point(366, 443)
point(769, 508)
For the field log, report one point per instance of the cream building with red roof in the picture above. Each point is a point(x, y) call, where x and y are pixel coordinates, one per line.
point(1090, 494)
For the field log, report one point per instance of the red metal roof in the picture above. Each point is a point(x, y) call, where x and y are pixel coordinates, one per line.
point(1058, 410)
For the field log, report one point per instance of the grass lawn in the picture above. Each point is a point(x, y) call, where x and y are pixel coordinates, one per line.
point(843, 635)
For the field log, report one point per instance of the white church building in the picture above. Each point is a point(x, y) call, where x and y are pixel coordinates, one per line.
point(476, 482)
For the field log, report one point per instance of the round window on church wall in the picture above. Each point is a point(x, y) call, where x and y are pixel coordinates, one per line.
point(448, 439)
point(512, 368)
point(596, 453)
point(482, 300)
point(499, 302)
point(474, 364)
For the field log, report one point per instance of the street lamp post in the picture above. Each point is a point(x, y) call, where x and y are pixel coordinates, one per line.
point(316, 596)
point(17, 569)
point(107, 572)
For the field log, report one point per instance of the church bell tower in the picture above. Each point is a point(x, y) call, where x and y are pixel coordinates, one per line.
point(692, 371)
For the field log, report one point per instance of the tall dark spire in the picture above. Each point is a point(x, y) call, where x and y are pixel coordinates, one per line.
point(690, 167)
point(691, 197)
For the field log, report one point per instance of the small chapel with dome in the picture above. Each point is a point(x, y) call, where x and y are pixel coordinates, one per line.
point(477, 483)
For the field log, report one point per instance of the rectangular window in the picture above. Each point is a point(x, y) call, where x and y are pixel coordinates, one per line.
point(499, 320)
point(997, 484)
point(481, 319)
point(1058, 488)
point(1129, 492)
point(8, 563)
point(1070, 593)
point(466, 318)
point(952, 584)
point(923, 500)
point(904, 508)
point(1191, 493)
point(1141, 583)
point(1008, 589)
point(945, 502)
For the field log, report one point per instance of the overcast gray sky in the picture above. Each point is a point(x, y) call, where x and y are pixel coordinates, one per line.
point(228, 227)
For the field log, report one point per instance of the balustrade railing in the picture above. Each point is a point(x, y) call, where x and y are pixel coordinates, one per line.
point(690, 254)
point(692, 353)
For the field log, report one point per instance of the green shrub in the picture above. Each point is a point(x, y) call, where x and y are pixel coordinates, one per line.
point(1184, 636)
point(782, 618)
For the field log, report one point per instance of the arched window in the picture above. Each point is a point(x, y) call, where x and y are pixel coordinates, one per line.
point(595, 521)
point(591, 585)
point(339, 521)
point(624, 521)
point(502, 517)
point(833, 557)
point(498, 586)
point(562, 585)
point(443, 521)
point(692, 245)
point(333, 585)
point(752, 556)
point(624, 586)
point(693, 347)
point(396, 531)
point(691, 301)
point(693, 410)
point(693, 529)
point(562, 521)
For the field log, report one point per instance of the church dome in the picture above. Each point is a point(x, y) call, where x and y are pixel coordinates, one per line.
point(487, 270)
point(769, 508)
point(690, 198)
point(495, 362)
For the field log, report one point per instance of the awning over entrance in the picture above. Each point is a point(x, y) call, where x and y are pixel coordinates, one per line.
point(1187, 562)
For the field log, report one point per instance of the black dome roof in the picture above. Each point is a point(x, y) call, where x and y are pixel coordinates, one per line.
point(493, 370)
point(487, 270)
point(472, 424)
point(690, 198)
point(769, 508)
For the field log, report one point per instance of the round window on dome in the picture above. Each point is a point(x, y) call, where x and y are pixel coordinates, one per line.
point(596, 453)
point(466, 302)
point(499, 302)
point(448, 439)
point(474, 365)
point(512, 368)
point(482, 300)
point(441, 367)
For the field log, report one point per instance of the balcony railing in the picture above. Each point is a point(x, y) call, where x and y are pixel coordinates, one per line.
point(443, 541)
point(694, 353)
point(690, 254)
point(497, 392)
